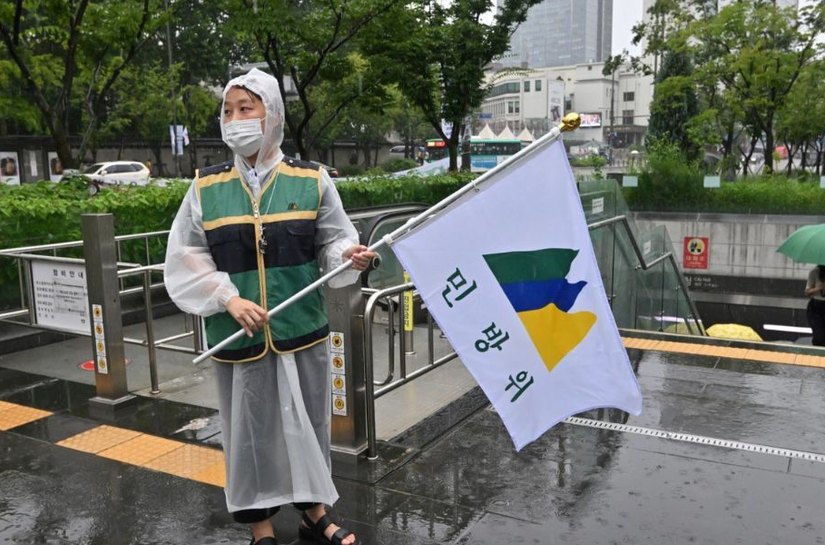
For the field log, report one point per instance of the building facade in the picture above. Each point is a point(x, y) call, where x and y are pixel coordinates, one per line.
point(562, 33)
point(615, 109)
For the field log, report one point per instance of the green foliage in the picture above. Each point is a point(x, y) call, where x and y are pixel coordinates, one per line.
point(69, 55)
point(398, 164)
point(669, 183)
point(377, 190)
point(748, 58)
point(674, 103)
point(594, 161)
point(46, 213)
point(313, 43)
point(351, 170)
point(667, 179)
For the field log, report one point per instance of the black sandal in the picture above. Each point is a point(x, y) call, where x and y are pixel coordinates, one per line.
point(314, 531)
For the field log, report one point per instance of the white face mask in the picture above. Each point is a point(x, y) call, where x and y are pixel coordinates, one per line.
point(244, 136)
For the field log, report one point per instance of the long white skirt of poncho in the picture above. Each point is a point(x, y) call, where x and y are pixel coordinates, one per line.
point(275, 416)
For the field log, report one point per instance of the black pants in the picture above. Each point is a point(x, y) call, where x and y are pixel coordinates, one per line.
point(249, 516)
point(816, 319)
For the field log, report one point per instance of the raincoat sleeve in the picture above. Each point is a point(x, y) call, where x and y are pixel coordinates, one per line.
point(191, 277)
point(334, 234)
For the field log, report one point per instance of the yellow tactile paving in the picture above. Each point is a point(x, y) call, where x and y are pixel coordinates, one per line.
point(206, 464)
point(811, 361)
point(13, 415)
point(141, 449)
point(214, 474)
point(186, 461)
point(725, 352)
point(98, 439)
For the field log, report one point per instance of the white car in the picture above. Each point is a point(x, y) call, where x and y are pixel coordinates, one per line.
point(117, 173)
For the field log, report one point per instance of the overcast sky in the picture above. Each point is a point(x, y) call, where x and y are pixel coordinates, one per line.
point(626, 13)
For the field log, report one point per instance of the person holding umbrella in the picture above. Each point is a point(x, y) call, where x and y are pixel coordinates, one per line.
point(807, 245)
point(815, 290)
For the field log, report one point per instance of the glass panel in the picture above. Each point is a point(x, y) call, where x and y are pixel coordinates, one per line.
point(652, 299)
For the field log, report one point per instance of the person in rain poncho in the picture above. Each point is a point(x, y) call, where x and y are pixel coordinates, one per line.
point(249, 234)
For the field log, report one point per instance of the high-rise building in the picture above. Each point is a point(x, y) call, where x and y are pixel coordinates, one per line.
point(562, 33)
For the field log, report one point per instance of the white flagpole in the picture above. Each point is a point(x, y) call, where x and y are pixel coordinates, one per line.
point(570, 122)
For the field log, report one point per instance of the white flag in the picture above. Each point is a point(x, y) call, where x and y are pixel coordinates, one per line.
point(510, 276)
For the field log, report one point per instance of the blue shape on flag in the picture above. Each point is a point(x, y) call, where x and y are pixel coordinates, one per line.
point(536, 294)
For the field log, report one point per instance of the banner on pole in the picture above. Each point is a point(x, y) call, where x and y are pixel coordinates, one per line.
point(179, 138)
point(510, 276)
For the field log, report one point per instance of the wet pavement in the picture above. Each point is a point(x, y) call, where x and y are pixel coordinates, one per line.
point(455, 477)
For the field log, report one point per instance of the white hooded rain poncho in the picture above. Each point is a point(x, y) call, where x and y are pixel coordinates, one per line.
point(275, 412)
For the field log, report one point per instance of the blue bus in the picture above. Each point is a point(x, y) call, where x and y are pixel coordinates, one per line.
point(485, 153)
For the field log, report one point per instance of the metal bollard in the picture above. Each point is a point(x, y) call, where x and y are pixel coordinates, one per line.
point(102, 281)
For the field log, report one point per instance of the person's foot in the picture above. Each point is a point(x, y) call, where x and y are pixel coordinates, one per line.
point(268, 540)
point(263, 533)
point(315, 521)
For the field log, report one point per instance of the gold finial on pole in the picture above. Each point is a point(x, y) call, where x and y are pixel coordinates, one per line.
point(570, 122)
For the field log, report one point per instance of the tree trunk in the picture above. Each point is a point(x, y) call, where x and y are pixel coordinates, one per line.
point(158, 153)
point(366, 150)
point(64, 149)
point(769, 144)
point(193, 154)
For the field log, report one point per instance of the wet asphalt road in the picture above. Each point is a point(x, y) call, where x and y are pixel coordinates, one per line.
point(576, 485)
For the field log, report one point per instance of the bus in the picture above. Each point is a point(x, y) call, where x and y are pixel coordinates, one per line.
point(485, 153)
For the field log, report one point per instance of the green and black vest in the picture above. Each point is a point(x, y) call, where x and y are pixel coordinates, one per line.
point(267, 246)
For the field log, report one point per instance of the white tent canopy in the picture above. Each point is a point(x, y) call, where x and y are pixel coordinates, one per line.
point(486, 133)
point(525, 135)
point(506, 133)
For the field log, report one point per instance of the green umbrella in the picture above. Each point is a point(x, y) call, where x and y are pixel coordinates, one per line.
point(806, 245)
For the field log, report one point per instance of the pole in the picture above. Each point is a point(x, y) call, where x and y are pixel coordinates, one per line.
point(570, 122)
point(175, 139)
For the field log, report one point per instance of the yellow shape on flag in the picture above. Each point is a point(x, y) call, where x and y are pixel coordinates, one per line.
point(554, 332)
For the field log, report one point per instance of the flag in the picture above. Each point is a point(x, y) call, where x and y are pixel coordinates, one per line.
point(510, 276)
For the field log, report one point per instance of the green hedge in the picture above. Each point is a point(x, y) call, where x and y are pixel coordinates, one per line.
point(757, 195)
point(670, 183)
point(377, 190)
point(46, 213)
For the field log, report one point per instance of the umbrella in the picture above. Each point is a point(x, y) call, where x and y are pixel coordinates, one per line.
point(733, 331)
point(806, 245)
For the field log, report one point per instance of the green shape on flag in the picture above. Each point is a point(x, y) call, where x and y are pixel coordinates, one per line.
point(547, 264)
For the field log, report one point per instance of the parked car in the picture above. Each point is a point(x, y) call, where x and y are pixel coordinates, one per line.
point(113, 173)
point(332, 171)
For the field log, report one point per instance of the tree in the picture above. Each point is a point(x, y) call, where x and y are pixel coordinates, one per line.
point(747, 59)
point(440, 59)
point(306, 44)
point(674, 103)
point(407, 121)
point(70, 54)
point(200, 115)
point(141, 106)
point(17, 113)
point(763, 51)
point(801, 120)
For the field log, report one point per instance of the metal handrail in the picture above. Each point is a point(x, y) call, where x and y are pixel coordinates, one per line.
point(370, 393)
point(645, 265)
point(132, 269)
